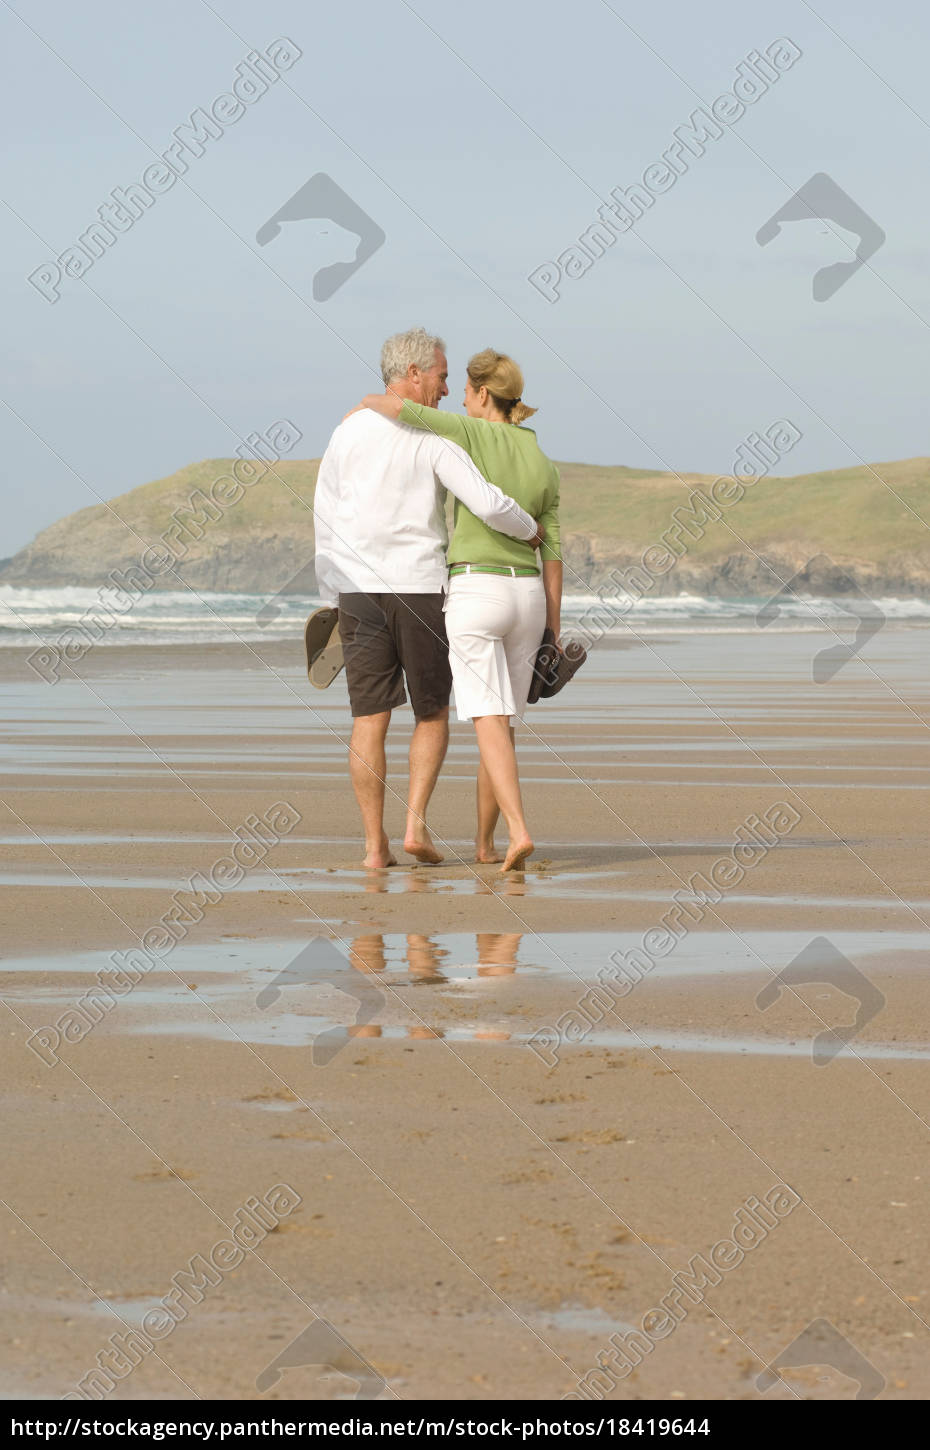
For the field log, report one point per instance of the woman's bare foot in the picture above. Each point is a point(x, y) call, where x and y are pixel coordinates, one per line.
point(419, 843)
point(380, 856)
point(486, 853)
point(517, 852)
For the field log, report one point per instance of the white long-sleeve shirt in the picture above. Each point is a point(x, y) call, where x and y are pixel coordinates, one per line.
point(379, 508)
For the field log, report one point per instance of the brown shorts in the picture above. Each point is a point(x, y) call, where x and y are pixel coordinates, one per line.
point(386, 637)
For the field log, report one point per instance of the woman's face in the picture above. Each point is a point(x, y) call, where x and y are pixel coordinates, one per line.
point(472, 402)
point(476, 400)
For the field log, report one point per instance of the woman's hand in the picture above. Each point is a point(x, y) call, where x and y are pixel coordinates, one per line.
point(387, 404)
point(539, 537)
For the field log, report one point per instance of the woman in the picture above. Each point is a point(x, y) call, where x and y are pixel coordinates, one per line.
point(498, 603)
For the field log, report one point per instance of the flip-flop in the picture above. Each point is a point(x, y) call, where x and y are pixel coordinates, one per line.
point(546, 660)
point(554, 667)
point(323, 646)
point(568, 661)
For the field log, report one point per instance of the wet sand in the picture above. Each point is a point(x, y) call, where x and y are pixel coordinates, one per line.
point(493, 1180)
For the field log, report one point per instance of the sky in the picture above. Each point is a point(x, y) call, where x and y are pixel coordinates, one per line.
point(480, 144)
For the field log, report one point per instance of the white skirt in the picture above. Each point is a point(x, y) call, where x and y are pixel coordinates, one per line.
point(495, 625)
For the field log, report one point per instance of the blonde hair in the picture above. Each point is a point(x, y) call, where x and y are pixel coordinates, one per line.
point(504, 381)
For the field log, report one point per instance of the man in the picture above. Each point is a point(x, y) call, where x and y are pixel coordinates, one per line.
point(379, 517)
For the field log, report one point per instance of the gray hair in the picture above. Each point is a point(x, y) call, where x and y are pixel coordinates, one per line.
point(416, 348)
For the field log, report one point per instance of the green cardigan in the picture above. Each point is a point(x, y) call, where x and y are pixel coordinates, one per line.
point(510, 457)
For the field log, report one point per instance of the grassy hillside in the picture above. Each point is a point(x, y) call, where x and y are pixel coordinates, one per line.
point(851, 512)
point(869, 518)
point(281, 502)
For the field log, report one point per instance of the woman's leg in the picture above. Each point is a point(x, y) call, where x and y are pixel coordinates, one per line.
point(480, 612)
point(488, 814)
point(499, 758)
point(519, 642)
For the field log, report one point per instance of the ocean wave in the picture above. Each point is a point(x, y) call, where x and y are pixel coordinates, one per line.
point(694, 606)
point(46, 616)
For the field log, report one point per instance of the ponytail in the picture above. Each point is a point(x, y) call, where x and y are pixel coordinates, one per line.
point(519, 412)
point(504, 381)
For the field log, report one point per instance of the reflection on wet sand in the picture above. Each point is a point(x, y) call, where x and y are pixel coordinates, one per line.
point(419, 1031)
point(387, 882)
point(369, 954)
point(496, 954)
point(496, 957)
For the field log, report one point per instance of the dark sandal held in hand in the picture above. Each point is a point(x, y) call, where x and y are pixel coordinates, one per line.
point(323, 646)
point(554, 667)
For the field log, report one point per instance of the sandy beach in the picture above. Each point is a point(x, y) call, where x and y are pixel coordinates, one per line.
point(487, 1186)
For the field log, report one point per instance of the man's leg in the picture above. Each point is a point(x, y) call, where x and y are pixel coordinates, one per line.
point(368, 769)
point(376, 687)
point(428, 747)
point(420, 629)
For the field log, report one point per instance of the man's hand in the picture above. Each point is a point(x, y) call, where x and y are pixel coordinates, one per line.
point(539, 537)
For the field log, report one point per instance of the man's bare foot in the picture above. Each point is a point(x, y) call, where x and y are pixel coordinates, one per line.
point(380, 856)
point(517, 853)
point(421, 846)
point(486, 853)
